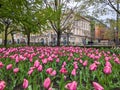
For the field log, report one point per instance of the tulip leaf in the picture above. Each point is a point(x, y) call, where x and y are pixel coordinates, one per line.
point(29, 87)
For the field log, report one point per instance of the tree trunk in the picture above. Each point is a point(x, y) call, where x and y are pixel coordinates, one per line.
point(28, 39)
point(13, 41)
point(68, 39)
point(58, 38)
point(6, 30)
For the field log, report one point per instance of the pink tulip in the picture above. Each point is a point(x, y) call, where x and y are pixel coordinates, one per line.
point(107, 58)
point(57, 60)
point(39, 68)
point(63, 70)
point(69, 58)
point(108, 64)
point(25, 54)
point(50, 88)
point(49, 70)
point(92, 56)
point(42, 56)
point(36, 63)
point(97, 63)
point(32, 68)
point(25, 83)
point(67, 86)
point(97, 86)
point(30, 58)
point(47, 83)
point(50, 59)
point(30, 72)
point(53, 73)
point(117, 60)
point(9, 67)
point(13, 56)
point(28, 55)
point(71, 55)
point(2, 85)
point(1, 64)
point(44, 61)
point(85, 63)
point(93, 67)
point(107, 70)
point(97, 57)
point(22, 58)
point(17, 59)
point(73, 72)
point(16, 70)
point(64, 63)
point(81, 61)
point(75, 66)
point(71, 86)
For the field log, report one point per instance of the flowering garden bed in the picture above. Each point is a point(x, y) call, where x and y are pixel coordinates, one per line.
point(58, 68)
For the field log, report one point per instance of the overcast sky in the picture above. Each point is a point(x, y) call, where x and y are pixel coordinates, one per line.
point(109, 15)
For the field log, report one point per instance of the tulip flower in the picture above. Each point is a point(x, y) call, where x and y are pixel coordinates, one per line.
point(81, 61)
point(9, 67)
point(108, 64)
point(73, 72)
point(57, 60)
point(63, 70)
point(50, 88)
point(47, 83)
point(15, 70)
point(44, 61)
point(107, 70)
point(50, 59)
point(42, 56)
point(53, 73)
point(97, 86)
point(30, 72)
point(71, 86)
point(31, 59)
point(75, 66)
point(69, 58)
point(107, 58)
point(93, 67)
point(32, 68)
point(40, 68)
point(85, 63)
point(2, 85)
point(22, 58)
point(17, 59)
point(49, 70)
point(97, 63)
point(1, 64)
point(25, 83)
point(36, 63)
point(117, 60)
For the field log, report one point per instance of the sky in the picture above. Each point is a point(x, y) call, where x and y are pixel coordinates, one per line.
point(109, 15)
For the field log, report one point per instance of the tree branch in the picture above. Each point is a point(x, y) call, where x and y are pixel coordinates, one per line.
point(53, 26)
point(112, 6)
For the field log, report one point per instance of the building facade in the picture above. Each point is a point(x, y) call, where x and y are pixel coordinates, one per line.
point(79, 34)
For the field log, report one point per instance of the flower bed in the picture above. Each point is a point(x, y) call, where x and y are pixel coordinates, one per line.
point(58, 68)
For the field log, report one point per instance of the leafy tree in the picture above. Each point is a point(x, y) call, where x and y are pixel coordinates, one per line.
point(59, 16)
point(8, 13)
point(32, 20)
point(24, 13)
